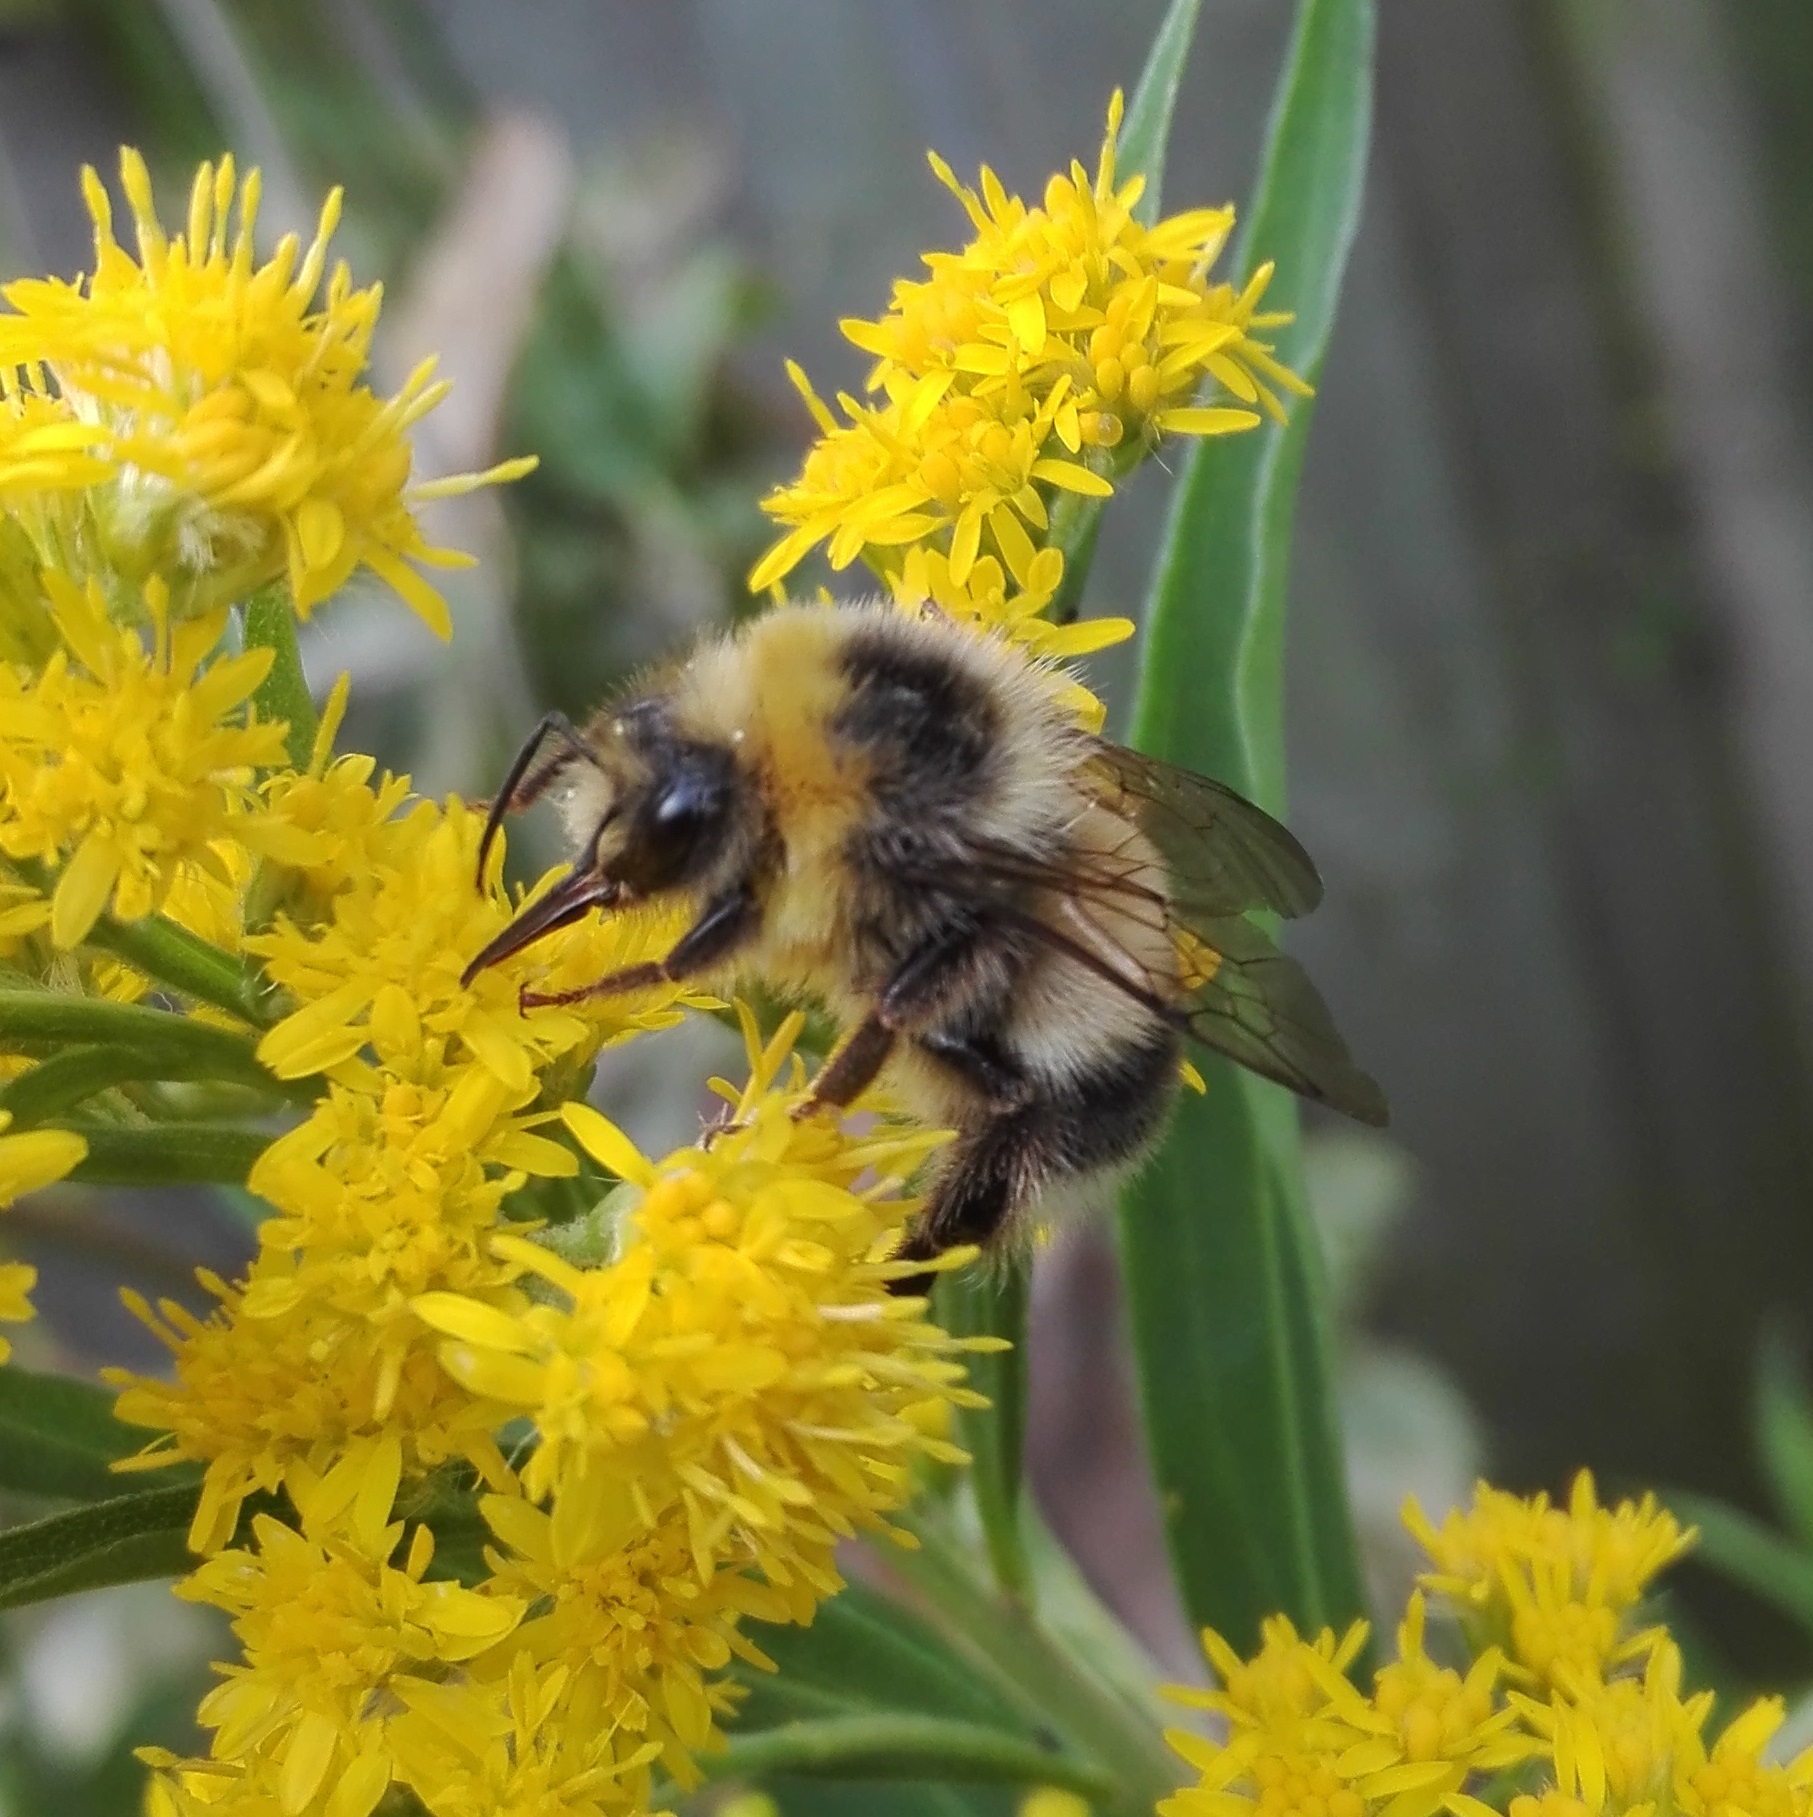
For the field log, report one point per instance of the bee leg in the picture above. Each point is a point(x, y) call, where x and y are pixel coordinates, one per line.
point(923, 981)
point(991, 1174)
point(851, 1069)
point(723, 925)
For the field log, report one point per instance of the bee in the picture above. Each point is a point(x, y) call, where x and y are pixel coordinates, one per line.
point(1017, 924)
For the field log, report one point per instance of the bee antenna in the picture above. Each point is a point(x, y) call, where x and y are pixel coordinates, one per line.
point(523, 784)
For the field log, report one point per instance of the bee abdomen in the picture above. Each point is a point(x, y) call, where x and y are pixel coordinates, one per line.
point(1104, 1114)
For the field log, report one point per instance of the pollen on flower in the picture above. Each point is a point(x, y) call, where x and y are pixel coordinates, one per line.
point(229, 402)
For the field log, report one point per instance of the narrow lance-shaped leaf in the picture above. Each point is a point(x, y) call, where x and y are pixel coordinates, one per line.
point(1743, 1549)
point(58, 1437)
point(984, 1302)
point(1784, 1424)
point(896, 1745)
point(1223, 1280)
point(120, 1541)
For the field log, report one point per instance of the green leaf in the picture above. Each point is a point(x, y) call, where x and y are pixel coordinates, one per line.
point(1147, 127)
point(976, 1303)
point(1784, 1424)
point(802, 1797)
point(171, 955)
point(1054, 1687)
point(1751, 1554)
point(1226, 1301)
point(171, 1154)
point(58, 1436)
point(120, 1042)
point(270, 624)
point(900, 1746)
point(864, 1652)
point(993, 1302)
point(119, 1541)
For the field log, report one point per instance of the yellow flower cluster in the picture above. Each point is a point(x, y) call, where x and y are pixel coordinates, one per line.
point(716, 1382)
point(1043, 359)
point(195, 415)
point(395, 1184)
point(1566, 1709)
point(714, 1409)
point(128, 766)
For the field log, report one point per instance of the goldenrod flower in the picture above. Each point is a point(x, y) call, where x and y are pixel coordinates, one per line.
point(931, 461)
point(329, 1627)
point(749, 1313)
point(1614, 1746)
point(125, 763)
point(1286, 1681)
point(17, 1279)
point(624, 1609)
point(252, 1399)
point(1045, 357)
point(44, 446)
point(378, 979)
point(28, 1160)
point(241, 439)
point(1303, 1739)
point(528, 1745)
point(1735, 1776)
point(1550, 1585)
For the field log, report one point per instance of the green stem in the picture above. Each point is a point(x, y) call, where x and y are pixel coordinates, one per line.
point(994, 1303)
point(270, 624)
point(176, 1154)
point(175, 957)
point(897, 1746)
point(72, 1077)
point(159, 1045)
point(1035, 1670)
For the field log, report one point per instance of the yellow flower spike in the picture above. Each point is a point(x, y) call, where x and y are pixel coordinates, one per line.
point(17, 1279)
point(1059, 333)
point(1552, 1586)
point(331, 1630)
point(231, 434)
point(128, 765)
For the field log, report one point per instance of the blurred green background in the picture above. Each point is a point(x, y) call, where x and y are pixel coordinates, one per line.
point(1552, 663)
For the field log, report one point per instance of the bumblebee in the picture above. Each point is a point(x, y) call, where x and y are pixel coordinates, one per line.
point(1017, 924)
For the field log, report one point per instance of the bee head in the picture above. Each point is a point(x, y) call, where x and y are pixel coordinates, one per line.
point(649, 811)
point(658, 813)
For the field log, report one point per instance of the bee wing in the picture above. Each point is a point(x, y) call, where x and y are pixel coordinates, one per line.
point(1224, 856)
point(1255, 1004)
point(1237, 993)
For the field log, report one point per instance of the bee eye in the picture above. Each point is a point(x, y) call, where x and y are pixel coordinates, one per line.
point(680, 823)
